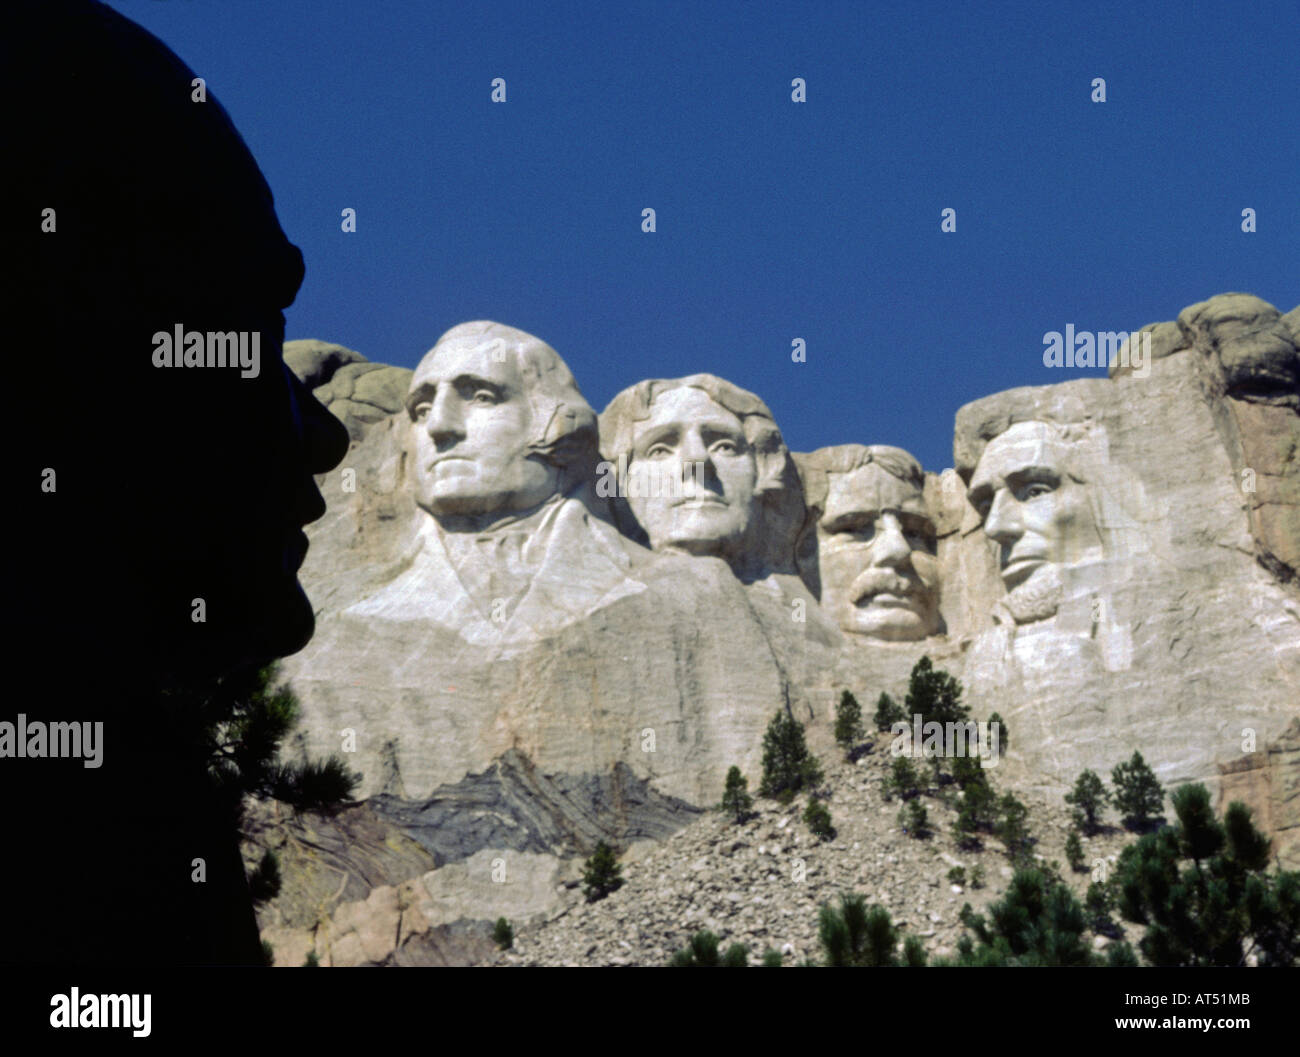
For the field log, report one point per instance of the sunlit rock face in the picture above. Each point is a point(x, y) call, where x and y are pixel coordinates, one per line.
point(544, 628)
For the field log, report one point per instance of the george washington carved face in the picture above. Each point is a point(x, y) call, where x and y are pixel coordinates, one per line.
point(499, 424)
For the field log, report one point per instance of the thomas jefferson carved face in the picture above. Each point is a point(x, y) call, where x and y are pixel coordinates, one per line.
point(689, 438)
point(474, 429)
point(1039, 514)
point(876, 547)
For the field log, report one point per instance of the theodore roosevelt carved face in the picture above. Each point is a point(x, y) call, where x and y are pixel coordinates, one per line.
point(875, 542)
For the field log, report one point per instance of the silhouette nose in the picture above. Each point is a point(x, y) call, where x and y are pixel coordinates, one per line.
point(890, 548)
point(1003, 522)
point(325, 436)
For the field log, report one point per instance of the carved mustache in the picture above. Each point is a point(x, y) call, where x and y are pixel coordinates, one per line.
point(873, 581)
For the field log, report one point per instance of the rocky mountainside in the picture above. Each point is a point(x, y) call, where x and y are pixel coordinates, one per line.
point(760, 883)
point(1111, 564)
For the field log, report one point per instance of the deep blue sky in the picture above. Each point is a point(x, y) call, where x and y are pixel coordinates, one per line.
point(775, 220)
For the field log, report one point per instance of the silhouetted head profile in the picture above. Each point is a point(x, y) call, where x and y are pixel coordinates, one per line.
point(163, 507)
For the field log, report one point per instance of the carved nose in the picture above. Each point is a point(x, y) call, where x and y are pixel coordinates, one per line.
point(1003, 522)
point(890, 547)
point(445, 424)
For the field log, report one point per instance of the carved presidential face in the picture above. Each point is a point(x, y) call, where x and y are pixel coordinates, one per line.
point(695, 474)
point(1038, 514)
point(473, 429)
point(876, 553)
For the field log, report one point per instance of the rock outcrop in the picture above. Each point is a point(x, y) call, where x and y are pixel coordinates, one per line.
point(521, 662)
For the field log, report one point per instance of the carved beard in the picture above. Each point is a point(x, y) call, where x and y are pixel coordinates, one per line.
point(1038, 598)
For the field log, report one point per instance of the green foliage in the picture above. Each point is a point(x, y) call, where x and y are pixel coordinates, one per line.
point(848, 722)
point(1074, 852)
point(702, 951)
point(977, 813)
point(977, 876)
point(903, 781)
point(772, 959)
point(311, 961)
point(1038, 922)
point(788, 767)
point(268, 954)
point(503, 934)
point(601, 874)
point(853, 935)
point(1089, 798)
point(914, 952)
point(957, 875)
point(1012, 828)
point(914, 820)
point(1138, 796)
point(1099, 902)
point(1120, 956)
point(817, 817)
point(736, 800)
point(1004, 735)
point(888, 712)
point(243, 719)
point(934, 695)
point(1201, 888)
point(264, 882)
point(736, 956)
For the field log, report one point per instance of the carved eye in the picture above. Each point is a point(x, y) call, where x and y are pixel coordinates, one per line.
point(658, 451)
point(1033, 490)
point(726, 447)
point(420, 412)
point(859, 532)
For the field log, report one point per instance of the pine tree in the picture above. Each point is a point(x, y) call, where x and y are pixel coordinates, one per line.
point(817, 817)
point(977, 814)
point(914, 819)
point(1138, 795)
point(503, 934)
point(772, 959)
point(788, 767)
point(1004, 736)
point(736, 800)
point(934, 695)
point(601, 874)
point(1013, 830)
point(1074, 851)
point(914, 952)
point(702, 951)
point(1038, 922)
point(888, 712)
point(1201, 889)
point(853, 935)
point(1089, 798)
point(848, 722)
point(903, 781)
